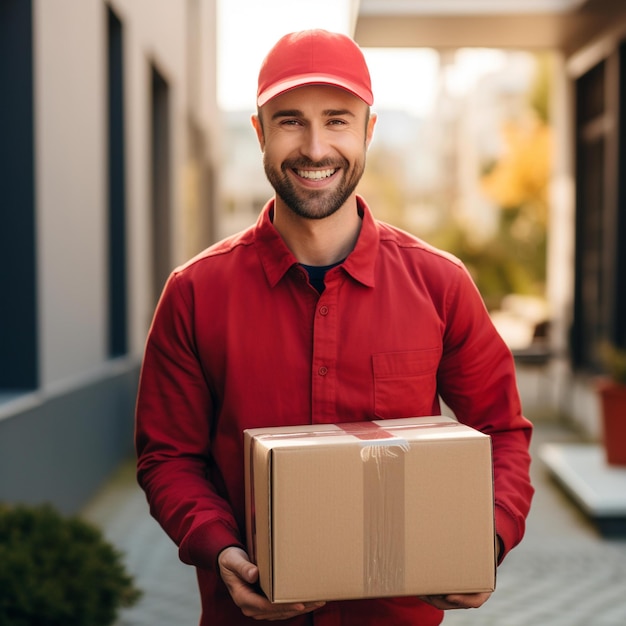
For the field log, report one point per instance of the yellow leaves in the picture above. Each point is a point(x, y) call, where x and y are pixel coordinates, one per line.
point(520, 178)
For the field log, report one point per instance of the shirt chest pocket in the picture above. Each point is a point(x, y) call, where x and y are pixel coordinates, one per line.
point(405, 383)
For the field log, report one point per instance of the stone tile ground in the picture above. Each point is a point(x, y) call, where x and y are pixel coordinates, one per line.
point(563, 573)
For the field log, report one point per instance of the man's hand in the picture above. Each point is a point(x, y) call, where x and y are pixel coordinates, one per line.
point(457, 600)
point(240, 577)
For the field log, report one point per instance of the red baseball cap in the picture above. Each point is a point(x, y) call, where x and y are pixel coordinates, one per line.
point(314, 57)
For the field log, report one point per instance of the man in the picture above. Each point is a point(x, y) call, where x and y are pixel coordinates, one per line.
point(317, 314)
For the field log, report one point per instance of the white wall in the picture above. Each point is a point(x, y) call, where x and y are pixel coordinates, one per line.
point(71, 167)
point(70, 185)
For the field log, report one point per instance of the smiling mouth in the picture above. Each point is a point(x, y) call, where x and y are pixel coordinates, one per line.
point(315, 174)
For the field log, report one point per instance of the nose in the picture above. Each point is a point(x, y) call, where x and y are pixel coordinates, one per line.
point(315, 145)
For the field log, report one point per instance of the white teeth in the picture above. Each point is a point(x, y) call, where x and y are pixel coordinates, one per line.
point(315, 174)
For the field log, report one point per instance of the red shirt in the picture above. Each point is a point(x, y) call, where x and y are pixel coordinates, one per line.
point(240, 339)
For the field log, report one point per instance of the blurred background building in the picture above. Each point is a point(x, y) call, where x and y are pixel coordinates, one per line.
point(108, 163)
point(119, 161)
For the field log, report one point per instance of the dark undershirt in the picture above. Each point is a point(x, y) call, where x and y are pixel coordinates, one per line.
point(317, 273)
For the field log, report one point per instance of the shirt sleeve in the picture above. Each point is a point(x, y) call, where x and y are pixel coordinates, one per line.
point(172, 431)
point(477, 380)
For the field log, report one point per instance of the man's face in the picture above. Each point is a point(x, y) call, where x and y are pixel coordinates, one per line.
point(314, 141)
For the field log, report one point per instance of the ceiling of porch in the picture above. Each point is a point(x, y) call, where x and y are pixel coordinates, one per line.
point(525, 24)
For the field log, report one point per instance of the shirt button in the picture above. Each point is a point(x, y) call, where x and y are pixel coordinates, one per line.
point(322, 371)
point(323, 310)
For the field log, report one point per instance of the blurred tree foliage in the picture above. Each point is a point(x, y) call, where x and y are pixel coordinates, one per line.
point(513, 258)
point(518, 184)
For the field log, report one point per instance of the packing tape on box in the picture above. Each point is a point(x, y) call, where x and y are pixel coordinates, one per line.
point(382, 454)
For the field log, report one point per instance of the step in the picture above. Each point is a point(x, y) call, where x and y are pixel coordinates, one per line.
point(599, 489)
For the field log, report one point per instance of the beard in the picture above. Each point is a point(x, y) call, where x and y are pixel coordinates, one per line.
point(314, 204)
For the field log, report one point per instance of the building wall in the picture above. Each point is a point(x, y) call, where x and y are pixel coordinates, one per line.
point(58, 441)
point(70, 184)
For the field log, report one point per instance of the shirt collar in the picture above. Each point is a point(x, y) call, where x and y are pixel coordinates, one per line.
point(277, 259)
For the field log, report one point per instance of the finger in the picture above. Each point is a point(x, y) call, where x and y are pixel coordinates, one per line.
point(468, 600)
point(260, 608)
point(236, 561)
point(293, 611)
point(438, 601)
point(240, 575)
point(457, 601)
point(255, 605)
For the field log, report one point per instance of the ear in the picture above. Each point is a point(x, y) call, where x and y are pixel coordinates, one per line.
point(258, 127)
point(369, 131)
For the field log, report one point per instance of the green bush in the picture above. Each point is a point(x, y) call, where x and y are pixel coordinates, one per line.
point(58, 571)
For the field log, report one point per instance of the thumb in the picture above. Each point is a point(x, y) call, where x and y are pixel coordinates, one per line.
point(237, 561)
point(250, 572)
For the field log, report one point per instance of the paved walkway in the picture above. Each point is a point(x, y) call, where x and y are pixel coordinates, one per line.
point(563, 573)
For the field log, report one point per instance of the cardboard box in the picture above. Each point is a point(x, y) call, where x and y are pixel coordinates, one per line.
point(370, 509)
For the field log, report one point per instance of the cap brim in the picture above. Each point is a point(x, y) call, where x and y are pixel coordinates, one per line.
point(302, 81)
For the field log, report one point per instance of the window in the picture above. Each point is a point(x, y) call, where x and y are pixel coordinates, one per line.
point(117, 336)
point(160, 156)
point(18, 303)
point(620, 265)
point(599, 300)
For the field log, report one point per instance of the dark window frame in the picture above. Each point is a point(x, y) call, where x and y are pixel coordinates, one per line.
point(19, 358)
point(600, 259)
point(117, 253)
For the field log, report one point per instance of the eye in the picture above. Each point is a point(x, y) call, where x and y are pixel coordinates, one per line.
point(337, 122)
point(290, 122)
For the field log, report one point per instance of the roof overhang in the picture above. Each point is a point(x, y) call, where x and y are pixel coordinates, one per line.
point(521, 24)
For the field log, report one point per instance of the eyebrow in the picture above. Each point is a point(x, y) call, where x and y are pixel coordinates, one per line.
point(299, 113)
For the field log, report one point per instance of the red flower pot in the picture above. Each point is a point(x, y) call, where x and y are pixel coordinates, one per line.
point(613, 403)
